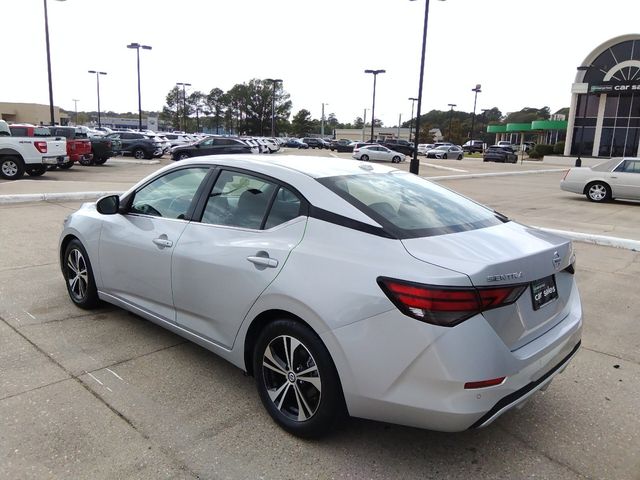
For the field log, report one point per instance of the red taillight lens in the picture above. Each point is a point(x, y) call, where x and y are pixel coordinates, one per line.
point(41, 146)
point(446, 306)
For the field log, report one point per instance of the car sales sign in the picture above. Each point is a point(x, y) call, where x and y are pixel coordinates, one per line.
point(615, 88)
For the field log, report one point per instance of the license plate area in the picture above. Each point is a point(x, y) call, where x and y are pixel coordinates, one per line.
point(543, 291)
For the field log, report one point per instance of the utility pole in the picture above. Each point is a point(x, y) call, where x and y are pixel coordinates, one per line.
point(75, 103)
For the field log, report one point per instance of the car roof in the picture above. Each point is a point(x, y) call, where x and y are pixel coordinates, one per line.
point(314, 167)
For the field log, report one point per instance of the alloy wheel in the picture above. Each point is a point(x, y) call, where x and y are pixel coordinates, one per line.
point(77, 274)
point(291, 378)
point(597, 192)
point(9, 168)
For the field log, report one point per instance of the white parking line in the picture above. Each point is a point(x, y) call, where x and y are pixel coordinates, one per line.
point(95, 378)
point(29, 314)
point(603, 240)
point(115, 374)
point(333, 155)
point(440, 167)
point(497, 174)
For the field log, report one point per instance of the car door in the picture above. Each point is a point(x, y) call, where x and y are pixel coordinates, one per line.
point(222, 263)
point(625, 180)
point(136, 247)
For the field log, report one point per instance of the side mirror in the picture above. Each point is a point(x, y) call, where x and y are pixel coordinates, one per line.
point(108, 205)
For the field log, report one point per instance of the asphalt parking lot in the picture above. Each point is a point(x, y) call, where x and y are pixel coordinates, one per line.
point(109, 395)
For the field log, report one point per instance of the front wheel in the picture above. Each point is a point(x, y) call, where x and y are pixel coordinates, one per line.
point(78, 276)
point(395, 159)
point(459, 157)
point(444, 156)
point(598, 192)
point(11, 167)
point(182, 156)
point(296, 379)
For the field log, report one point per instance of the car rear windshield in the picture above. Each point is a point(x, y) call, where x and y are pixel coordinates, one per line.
point(408, 206)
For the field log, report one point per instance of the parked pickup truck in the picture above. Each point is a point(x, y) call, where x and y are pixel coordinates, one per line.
point(30, 154)
point(78, 145)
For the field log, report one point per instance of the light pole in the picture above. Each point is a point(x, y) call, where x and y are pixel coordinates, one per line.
point(75, 106)
point(477, 90)
point(450, 119)
point(46, 35)
point(273, 81)
point(322, 121)
point(364, 122)
point(413, 102)
point(98, 88)
point(184, 103)
point(414, 167)
point(583, 68)
point(137, 47)
point(373, 105)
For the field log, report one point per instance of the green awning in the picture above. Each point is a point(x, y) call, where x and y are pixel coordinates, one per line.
point(549, 125)
point(519, 127)
point(496, 129)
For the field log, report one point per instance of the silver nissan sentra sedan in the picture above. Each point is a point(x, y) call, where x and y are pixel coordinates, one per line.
point(343, 287)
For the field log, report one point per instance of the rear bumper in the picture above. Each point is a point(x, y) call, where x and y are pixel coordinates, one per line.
point(58, 160)
point(399, 370)
point(573, 187)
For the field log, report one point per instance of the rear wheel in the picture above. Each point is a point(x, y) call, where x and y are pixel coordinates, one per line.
point(139, 154)
point(11, 167)
point(182, 156)
point(364, 158)
point(100, 160)
point(66, 166)
point(296, 379)
point(86, 161)
point(78, 274)
point(444, 156)
point(37, 170)
point(598, 192)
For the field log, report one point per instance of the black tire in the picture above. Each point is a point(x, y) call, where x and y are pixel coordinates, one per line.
point(444, 156)
point(100, 160)
point(36, 171)
point(396, 159)
point(598, 192)
point(11, 167)
point(460, 157)
point(86, 162)
point(182, 156)
point(364, 158)
point(65, 166)
point(323, 402)
point(139, 154)
point(78, 276)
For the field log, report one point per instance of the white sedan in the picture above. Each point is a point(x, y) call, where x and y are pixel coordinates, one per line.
point(446, 151)
point(616, 178)
point(377, 152)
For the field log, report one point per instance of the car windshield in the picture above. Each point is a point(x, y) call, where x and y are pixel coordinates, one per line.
point(409, 206)
point(444, 147)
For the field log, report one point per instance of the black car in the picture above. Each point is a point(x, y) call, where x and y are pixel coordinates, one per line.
point(341, 146)
point(497, 153)
point(102, 148)
point(138, 144)
point(314, 142)
point(210, 146)
point(401, 146)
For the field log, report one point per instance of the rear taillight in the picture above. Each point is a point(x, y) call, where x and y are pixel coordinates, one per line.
point(446, 306)
point(40, 146)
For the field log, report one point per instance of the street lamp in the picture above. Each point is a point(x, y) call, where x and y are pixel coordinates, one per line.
point(137, 47)
point(184, 103)
point(273, 103)
point(583, 68)
point(373, 106)
point(413, 102)
point(450, 119)
point(322, 121)
point(414, 167)
point(477, 90)
point(46, 36)
point(75, 106)
point(98, 88)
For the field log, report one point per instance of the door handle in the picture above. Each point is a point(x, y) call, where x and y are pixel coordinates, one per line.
point(163, 242)
point(264, 261)
point(613, 177)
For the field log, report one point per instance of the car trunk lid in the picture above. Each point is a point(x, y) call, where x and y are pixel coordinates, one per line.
point(508, 254)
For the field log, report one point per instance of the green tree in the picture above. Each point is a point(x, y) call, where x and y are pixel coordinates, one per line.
point(528, 114)
point(216, 105)
point(302, 124)
point(358, 123)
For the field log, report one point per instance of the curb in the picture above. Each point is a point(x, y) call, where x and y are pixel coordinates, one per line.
point(497, 174)
point(603, 240)
point(52, 197)
point(440, 167)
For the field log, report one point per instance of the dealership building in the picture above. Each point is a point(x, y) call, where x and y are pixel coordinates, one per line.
point(604, 117)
